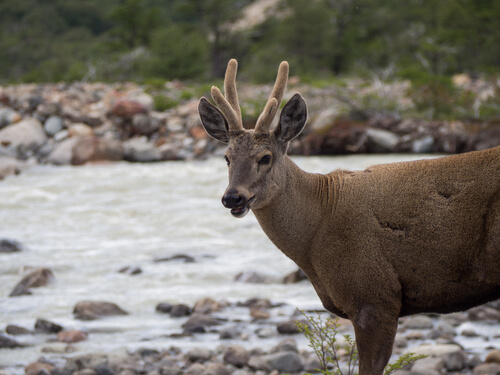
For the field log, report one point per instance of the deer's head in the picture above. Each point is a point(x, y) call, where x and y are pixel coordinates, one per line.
point(255, 157)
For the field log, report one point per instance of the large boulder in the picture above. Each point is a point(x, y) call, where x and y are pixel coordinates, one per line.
point(140, 150)
point(25, 137)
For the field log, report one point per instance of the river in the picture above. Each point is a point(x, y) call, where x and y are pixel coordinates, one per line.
point(85, 223)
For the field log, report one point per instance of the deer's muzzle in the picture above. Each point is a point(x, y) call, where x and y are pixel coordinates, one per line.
point(238, 203)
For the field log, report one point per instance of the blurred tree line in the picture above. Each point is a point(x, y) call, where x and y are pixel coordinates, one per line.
point(141, 40)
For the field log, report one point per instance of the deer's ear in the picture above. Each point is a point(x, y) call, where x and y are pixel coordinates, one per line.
point(292, 120)
point(213, 121)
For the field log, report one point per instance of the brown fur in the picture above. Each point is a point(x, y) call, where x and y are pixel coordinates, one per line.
point(393, 240)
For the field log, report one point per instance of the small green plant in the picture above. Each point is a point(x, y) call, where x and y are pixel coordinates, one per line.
point(322, 336)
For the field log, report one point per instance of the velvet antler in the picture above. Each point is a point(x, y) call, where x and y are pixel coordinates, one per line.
point(229, 105)
point(266, 118)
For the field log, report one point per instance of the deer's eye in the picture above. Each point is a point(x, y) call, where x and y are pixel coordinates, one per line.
point(266, 159)
point(227, 160)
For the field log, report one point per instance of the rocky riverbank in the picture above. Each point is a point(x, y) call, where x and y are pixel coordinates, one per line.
point(231, 337)
point(93, 122)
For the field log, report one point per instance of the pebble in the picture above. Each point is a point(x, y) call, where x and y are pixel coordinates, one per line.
point(10, 246)
point(36, 278)
point(72, 336)
point(45, 326)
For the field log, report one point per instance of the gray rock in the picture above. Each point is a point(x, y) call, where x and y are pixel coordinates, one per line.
point(10, 246)
point(140, 150)
point(487, 369)
point(200, 355)
point(252, 277)
point(281, 361)
point(26, 137)
point(8, 116)
point(16, 330)
point(7, 342)
point(53, 125)
point(324, 121)
point(216, 369)
point(236, 355)
point(428, 366)
point(180, 310)
point(63, 152)
point(423, 145)
point(288, 328)
point(198, 323)
point(383, 138)
point(455, 361)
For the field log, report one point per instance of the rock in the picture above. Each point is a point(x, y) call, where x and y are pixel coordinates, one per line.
point(281, 361)
point(493, 356)
point(206, 306)
point(178, 257)
point(383, 139)
point(39, 368)
point(80, 130)
point(7, 342)
point(295, 277)
point(127, 108)
point(180, 310)
point(104, 369)
point(469, 333)
point(259, 314)
point(195, 369)
point(8, 116)
point(36, 278)
point(25, 137)
point(455, 361)
point(428, 366)
point(252, 277)
point(236, 355)
point(266, 332)
point(436, 350)
point(140, 150)
point(72, 336)
point(90, 310)
point(258, 303)
point(45, 326)
point(423, 145)
point(487, 369)
point(16, 330)
point(10, 166)
point(53, 125)
point(200, 355)
point(130, 270)
point(62, 154)
point(142, 124)
point(484, 313)
point(92, 148)
point(164, 307)
point(230, 333)
point(198, 323)
point(324, 122)
point(288, 327)
point(286, 345)
point(216, 369)
point(10, 246)
point(418, 322)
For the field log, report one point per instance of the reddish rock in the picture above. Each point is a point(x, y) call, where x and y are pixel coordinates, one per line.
point(127, 108)
point(72, 336)
point(198, 133)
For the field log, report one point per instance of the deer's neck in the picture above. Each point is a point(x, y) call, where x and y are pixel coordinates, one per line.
point(293, 218)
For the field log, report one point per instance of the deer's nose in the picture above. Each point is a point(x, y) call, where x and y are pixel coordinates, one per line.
point(233, 200)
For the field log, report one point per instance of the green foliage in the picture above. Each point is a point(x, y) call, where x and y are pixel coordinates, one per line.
point(323, 339)
point(191, 39)
point(163, 102)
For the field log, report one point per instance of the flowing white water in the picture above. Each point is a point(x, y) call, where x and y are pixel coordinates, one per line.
point(85, 223)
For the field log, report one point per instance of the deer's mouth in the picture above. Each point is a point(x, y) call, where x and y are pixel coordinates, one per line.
point(242, 210)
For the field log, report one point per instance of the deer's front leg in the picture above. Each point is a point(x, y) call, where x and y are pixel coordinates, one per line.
point(375, 332)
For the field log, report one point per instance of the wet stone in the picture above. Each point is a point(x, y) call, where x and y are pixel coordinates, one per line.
point(10, 246)
point(45, 326)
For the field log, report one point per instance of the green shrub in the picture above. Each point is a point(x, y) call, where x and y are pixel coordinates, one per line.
point(322, 336)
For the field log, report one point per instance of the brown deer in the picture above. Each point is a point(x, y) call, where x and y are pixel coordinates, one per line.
point(378, 244)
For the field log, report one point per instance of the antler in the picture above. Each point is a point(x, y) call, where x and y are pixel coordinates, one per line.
point(266, 117)
point(229, 105)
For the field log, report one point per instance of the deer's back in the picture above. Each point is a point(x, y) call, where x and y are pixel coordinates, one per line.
point(436, 223)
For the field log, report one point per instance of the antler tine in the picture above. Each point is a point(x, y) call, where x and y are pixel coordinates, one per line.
point(265, 119)
point(229, 104)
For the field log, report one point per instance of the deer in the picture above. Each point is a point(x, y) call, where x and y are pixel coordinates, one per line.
point(379, 244)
